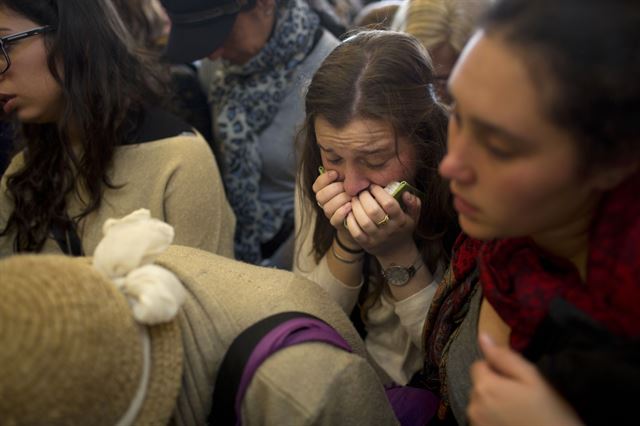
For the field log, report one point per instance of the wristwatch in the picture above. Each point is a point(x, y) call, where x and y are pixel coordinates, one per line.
point(398, 276)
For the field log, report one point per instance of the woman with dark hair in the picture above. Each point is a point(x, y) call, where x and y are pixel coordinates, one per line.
point(95, 143)
point(543, 158)
point(371, 120)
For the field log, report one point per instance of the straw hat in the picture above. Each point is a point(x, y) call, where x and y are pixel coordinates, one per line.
point(69, 339)
point(96, 339)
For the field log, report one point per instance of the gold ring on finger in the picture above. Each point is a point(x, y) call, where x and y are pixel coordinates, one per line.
point(384, 220)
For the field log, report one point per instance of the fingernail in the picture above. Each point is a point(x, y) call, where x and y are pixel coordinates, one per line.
point(332, 174)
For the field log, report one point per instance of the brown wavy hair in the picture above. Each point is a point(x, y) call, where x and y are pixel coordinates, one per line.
point(384, 76)
point(105, 87)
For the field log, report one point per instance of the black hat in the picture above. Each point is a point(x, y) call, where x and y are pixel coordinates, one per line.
point(199, 27)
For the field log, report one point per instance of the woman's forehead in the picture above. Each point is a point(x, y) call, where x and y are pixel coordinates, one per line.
point(11, 21)
point(492, 82)
point(362, 135)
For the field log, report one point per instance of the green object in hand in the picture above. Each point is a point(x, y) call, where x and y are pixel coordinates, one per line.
point(396, 189)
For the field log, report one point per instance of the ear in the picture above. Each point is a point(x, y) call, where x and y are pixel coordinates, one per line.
point(609, 178)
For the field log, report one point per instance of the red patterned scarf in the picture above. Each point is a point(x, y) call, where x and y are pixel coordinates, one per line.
point(520, 279)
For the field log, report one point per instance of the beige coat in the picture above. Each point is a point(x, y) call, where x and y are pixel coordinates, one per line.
point(310, 383)
point(176, 178)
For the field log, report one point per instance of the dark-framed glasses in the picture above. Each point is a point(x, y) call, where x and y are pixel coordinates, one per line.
point(5, 60)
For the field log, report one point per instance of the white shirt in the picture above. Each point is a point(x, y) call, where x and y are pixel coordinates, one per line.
point(394, 328)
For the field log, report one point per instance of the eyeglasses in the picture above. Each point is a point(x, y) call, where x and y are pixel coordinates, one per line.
point(5, 61)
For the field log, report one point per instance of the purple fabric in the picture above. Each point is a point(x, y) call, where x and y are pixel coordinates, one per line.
point(289, 333)
point(412, 406)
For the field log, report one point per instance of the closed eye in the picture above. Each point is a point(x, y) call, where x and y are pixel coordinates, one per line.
point(375, 165)
point(497, 152)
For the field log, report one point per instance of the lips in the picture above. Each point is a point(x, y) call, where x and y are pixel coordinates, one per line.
point(7, 102)
point(463, 206)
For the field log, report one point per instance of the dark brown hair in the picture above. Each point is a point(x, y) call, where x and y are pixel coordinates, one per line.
point(105, 86)
point(384, 76)
point(584, 56)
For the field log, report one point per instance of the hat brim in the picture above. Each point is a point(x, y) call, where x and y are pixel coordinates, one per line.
point(188, 43)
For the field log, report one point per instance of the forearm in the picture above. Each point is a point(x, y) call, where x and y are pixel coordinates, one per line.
point(320, 272)
point(345, 261)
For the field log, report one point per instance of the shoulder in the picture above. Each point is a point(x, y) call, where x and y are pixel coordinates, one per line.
point(187, 154)
point(325, 44)
point(159, 124)
point(17, 162)
point(161, 131)
point(337, 376)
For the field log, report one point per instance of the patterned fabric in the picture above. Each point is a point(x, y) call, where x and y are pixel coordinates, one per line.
point(448, 309)
point(246, 99)
point(520, 279)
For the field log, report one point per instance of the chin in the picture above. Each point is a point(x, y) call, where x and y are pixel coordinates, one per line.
point(478, 230)
point(32, 118)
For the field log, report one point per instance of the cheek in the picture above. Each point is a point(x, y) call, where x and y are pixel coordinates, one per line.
point(394, 173)
point(533, 196)
point(48, 87)
point(516, 193)
point(38, 77)
point(47, 104)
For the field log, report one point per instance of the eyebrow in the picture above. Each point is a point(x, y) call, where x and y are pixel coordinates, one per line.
point(494, 129)
point(500, 132)
point(363, 151)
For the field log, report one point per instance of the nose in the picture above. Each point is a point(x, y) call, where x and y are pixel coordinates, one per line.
point(355, 182)
point(454, 166)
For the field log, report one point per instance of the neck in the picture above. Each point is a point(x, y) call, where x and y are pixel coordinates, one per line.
point(570, 240)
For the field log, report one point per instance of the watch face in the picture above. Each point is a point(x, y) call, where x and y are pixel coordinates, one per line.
point(397, 275)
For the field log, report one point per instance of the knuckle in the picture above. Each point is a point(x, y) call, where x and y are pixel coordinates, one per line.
point(358, 235)
point(388, 204)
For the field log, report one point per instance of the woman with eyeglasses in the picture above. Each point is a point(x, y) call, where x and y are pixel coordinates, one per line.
point(95, 142)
